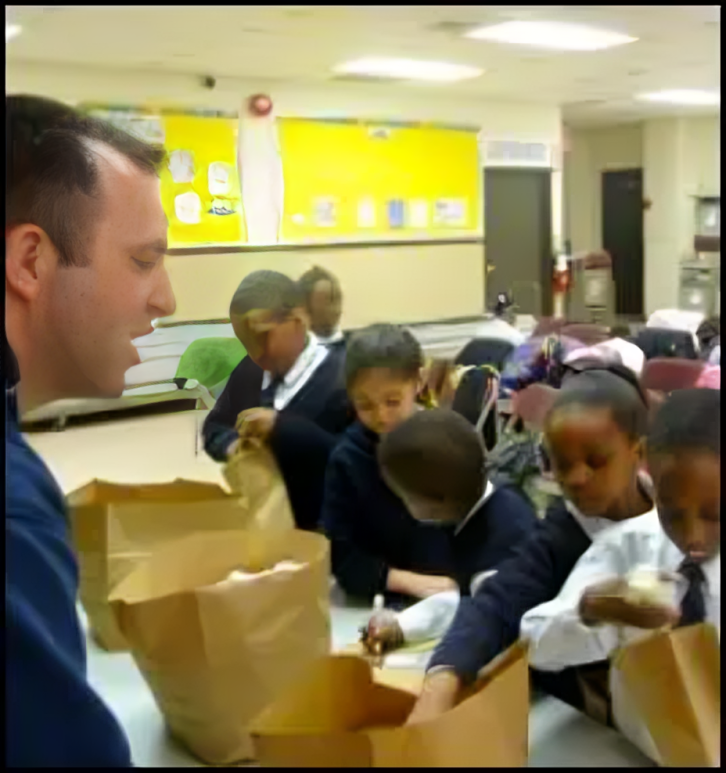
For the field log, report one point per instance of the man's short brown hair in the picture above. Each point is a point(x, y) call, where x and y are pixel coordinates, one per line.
point(52, 177)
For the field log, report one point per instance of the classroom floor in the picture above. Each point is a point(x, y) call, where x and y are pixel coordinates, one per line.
point(162, 448)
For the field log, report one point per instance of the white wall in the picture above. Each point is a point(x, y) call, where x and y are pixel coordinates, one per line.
point(592, 152)
point(680, 158)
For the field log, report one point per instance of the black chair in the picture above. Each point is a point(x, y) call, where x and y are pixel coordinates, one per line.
point(485, 351)
point(469, 403)
point(663, 342)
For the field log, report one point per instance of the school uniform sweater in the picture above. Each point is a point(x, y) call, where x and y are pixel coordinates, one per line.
point(52, 716)
point(371, 531)
point(305, 431)
point(488, 622)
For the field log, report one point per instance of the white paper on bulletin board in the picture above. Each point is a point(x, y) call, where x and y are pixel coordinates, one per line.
point(367, 213)
point(324, 212)
point(418, 214)
point(450, 212)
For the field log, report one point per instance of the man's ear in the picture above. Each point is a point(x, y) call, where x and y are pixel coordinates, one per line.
point(27, 249)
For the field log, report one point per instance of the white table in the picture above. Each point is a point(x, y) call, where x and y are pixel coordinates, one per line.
point(559, 735)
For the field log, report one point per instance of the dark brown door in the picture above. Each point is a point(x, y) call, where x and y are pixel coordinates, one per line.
point(518, 238)
point(622, 236)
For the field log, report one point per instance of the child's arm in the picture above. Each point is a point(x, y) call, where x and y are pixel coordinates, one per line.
point(241, 393)
point(583, 624)
point(359, 572)
point(557, 636)
point(488, 622)
point(430, 618)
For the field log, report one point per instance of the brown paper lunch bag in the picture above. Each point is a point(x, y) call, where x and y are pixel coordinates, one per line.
point(214, 655)
point(253, 476)
point(673, 679)
point(338, 715)
point(114, 526)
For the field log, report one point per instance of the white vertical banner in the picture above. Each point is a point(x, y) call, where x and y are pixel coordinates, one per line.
point(261, 176)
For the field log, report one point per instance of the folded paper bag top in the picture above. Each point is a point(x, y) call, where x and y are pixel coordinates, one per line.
point(338, 716)
point(100, 492)
point(213, 652)
point(673, 680)
point(114, 525)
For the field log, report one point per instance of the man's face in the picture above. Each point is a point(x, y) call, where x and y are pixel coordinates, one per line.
point(87, 317)
point(325, 308)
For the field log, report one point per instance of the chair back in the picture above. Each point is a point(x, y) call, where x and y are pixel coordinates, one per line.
point(665, 374)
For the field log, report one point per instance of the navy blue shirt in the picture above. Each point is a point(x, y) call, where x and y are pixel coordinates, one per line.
point(488, 622)
point(52, 716)
point(371, 530)
point(305, 431)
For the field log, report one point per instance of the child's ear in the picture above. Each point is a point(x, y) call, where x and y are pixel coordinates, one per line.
point(300, 315)
point(640, 449)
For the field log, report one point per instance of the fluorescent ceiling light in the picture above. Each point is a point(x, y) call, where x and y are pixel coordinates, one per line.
point(408, 69)
point(11, 31)
point(554, 35)
point(683, 97)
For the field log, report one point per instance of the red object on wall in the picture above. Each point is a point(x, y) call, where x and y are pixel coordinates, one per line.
point(561, 281)
point(260, 105)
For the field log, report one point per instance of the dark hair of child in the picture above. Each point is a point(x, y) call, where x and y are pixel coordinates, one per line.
point(383, 346)
point(436, 454)
point(689, 420)
point(614, 387)
point(314, 275)
point(269, 291)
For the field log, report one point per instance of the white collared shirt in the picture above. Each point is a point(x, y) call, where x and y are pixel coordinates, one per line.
point(333, 339)
point(558, 639)
point(488, 491)
point(312, 356)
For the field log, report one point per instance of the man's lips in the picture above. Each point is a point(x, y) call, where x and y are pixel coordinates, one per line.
point(134, 336)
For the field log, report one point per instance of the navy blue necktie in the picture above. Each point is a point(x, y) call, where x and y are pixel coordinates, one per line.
point(693, 606)
point(267, 396)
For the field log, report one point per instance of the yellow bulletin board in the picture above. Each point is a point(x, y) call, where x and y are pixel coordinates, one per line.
point(210, 142)
point(343, 181)
point(356, 181)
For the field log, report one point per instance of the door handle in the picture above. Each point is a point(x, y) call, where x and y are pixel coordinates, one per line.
point(490, 268)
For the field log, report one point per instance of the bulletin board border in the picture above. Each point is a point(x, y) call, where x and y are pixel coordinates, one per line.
point(231, 249)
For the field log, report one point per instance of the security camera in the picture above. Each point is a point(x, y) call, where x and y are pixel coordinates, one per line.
point(209, 82)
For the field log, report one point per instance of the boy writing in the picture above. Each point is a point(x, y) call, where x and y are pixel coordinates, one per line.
point(288, 391)
point(435, 462)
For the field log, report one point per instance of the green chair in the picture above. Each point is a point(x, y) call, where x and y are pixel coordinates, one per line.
point(210, 361)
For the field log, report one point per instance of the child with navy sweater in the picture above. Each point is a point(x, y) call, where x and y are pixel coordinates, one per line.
point(377, 547)
point(288, 391)
point(435, 462)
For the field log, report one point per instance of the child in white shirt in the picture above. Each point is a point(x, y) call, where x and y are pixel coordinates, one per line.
point(595, 614)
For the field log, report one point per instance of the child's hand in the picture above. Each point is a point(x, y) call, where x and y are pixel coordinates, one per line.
point(429, 585)
point(439, 694)
point(255, 426)
point(382, 634)
point(421, 586)
point(606, 602)
point(232, 448)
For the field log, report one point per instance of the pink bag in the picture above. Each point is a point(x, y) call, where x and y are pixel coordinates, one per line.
point(710, 378)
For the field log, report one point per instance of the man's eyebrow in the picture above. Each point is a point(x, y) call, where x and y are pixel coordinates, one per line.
point(158, 246)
